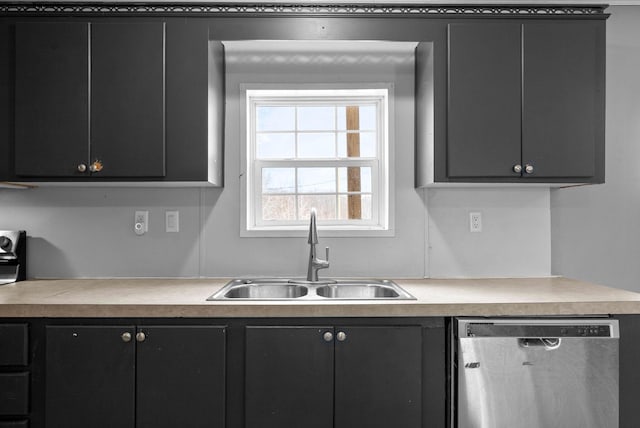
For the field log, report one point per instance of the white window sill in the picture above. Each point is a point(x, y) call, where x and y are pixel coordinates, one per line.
point(333, 232)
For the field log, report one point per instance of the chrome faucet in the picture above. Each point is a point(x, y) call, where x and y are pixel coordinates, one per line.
point(315, 264)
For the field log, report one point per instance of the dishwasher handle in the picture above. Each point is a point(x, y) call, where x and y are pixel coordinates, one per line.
point(548, 343)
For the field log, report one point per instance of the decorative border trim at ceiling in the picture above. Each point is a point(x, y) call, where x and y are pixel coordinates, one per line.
point(293, 9)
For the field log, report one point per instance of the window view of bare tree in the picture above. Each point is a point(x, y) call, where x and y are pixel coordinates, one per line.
point(306, 137)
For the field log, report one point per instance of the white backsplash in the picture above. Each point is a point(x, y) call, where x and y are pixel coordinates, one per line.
point(87, 232)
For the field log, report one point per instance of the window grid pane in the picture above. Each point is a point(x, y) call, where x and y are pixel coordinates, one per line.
point(294, 190)
point(315, 167)
point(304, 136)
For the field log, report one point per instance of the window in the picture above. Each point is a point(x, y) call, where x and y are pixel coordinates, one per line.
point(323, 149)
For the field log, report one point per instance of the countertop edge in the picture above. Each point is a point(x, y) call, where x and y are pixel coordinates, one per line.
point(186, 298)
point(318, 311)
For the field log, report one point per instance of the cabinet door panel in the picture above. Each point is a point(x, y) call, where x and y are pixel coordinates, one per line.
point(188, 100)
point(15, 344)
point(6, 89)
point(89, 377)
point(14, 394)
point(289, 378)
point(14, 424)
point(51, 98)
point(483, 131)
point(127, 99)
point(181, 377)
point(378, 373)
point(563, 116)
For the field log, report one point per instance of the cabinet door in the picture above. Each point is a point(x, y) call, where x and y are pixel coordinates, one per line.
point(90, 376)
point(51, 98)
point(378, 377)
point(15, 344)
point(188, 108)
point(483, 130)
point(289, 377)
point(180, 377)
point(6, 88)
point(629, 373)
point(563, 115)
point(127, 99)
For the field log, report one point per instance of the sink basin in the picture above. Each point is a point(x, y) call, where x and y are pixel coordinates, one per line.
point(260, 290)
point(298, 289)
point(358, 291)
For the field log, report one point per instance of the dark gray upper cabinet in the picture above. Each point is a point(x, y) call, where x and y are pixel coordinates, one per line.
point(6, 92)
point(52, 96)
point(89, 96)
point(195, 103)
point(144, 99)
point(525, 103)
point(484, 100)
point(564, 97)
point(127, 99)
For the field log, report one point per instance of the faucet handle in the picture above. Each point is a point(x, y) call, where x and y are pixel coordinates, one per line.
point(326, 250)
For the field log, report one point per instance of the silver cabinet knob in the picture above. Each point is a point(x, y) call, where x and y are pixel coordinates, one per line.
point(126, 337)
point(140, 337)
point(327, 336)
point(82, 167)
point(341, 336)
point(528, 168)
point(517, 168)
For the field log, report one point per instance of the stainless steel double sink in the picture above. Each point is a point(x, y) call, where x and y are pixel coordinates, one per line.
point(297, 289)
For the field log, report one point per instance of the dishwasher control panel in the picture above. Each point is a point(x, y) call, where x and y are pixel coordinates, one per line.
point(487, 329)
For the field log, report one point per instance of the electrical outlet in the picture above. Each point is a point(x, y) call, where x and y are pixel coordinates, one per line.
point(172, 221)
point(141, 222)
point(475, 222)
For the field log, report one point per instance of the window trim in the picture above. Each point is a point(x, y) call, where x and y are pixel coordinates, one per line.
point(383, 179)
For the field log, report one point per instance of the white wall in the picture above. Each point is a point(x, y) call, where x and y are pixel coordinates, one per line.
point(595, 230)
point(514, 241)
point(89, 232)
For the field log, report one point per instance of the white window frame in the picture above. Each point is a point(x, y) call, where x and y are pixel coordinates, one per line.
point(381, 221)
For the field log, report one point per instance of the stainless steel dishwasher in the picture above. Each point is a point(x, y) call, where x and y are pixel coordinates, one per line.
point(551, 373)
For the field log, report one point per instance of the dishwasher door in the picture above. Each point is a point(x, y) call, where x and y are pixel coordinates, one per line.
point(537, 373)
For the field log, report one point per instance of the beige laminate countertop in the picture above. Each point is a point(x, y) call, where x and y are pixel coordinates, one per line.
point(173, 297)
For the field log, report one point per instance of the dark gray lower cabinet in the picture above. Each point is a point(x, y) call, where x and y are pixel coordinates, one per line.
point(90, 377)
point(120, 376)
point(14, 394)
point(14, 424)
point(180, 374)
point(289, 377)
point(324, 377)
point(378, 377)
point(629, 372)
point(18, 336)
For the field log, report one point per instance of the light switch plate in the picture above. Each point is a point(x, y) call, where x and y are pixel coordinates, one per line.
point(172, 221)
